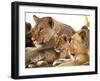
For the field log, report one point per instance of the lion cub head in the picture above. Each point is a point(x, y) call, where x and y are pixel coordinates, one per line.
point(62, 46)
point(79, 46)
point(41, 29)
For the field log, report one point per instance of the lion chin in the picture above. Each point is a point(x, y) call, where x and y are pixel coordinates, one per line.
point(37, 45)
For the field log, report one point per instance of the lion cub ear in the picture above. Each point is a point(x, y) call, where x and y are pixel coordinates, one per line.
point(83, 35)
point(63, 38)
point(36, 18)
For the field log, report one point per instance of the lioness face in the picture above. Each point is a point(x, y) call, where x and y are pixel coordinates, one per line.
point(41, 29)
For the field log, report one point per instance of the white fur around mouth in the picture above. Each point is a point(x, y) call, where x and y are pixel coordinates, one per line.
point(57, 50)
point(37, 44)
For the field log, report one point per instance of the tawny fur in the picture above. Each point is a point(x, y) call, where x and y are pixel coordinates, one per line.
point(77, 48)
point(47, 30)
point(36, 56)
point(28, 36)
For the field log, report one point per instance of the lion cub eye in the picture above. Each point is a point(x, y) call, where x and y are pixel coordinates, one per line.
point(73, 54)
point(41, 29)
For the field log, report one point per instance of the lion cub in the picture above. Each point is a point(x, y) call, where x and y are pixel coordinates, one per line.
point(77, 48)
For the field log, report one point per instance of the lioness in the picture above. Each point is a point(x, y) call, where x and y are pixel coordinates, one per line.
point(47, 30)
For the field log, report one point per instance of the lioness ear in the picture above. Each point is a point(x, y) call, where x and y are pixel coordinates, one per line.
point(83, 34)
point(36, 18)
point(50, 22)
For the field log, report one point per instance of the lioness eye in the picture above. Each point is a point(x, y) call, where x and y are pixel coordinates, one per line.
point(41, 29)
